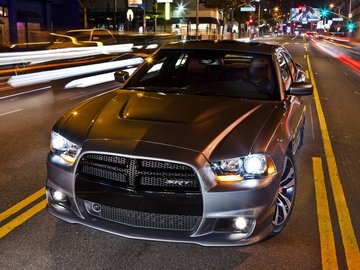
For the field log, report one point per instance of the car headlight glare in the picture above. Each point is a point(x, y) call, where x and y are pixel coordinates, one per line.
point(238, 169)
point(255, 164)
point(64, 148)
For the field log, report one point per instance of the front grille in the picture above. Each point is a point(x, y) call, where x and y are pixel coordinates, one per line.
point(144, 219)
point(138, 174)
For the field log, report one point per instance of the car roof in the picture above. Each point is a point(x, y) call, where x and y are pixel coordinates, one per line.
point(84, 30)
point(231, 45)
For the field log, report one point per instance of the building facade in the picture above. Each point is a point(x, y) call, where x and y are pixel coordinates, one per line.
point(175, 16)
point(25, 21)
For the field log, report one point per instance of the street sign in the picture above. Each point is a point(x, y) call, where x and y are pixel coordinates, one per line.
point(247, 8)
point(340, 19)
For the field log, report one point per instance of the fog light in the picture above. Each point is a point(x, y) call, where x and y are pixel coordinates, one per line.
point(241, 223)
point(58, 196)
point(96, 207)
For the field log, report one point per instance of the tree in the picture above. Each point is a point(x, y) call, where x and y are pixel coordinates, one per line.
point(85, 4)
point(227, 8)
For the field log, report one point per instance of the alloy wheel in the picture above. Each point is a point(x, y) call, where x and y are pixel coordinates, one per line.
point(286, 194)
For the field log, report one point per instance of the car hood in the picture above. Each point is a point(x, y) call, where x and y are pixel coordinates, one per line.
point(218, 127)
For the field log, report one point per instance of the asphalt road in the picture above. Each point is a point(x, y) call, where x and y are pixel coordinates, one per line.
point(43, 242)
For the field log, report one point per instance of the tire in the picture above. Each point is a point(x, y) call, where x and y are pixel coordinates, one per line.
point(284, 203)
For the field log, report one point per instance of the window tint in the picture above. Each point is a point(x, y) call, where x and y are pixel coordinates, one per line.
point(219, 73)
point(290, 64)
point(284, 69)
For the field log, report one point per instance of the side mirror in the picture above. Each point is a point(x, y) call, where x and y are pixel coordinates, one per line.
point(300, 89)
point(121, 76)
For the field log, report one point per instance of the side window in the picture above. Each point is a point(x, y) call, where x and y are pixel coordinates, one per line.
point(103, 36)
point(284, 69)
point(290, 64)
point(154, 71)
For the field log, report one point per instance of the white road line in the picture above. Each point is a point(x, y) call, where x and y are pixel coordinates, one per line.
point(312, 123)
point(14, 111)
point(25, 92)
point(294, 37)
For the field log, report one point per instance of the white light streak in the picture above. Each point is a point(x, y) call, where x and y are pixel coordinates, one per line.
point(94, 80)
point(47, 76)
point(41, 56)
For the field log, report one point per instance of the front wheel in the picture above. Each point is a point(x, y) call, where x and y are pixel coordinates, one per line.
point(286, 195)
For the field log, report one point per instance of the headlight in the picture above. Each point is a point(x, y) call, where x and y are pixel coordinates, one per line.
point(63, 148)
point(249, 167)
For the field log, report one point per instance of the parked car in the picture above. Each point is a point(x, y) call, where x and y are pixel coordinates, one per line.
point(196, 146)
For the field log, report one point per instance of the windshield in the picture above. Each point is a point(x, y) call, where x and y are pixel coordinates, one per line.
point(204, 72)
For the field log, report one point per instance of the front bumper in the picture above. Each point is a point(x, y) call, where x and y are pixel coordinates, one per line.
point(253, 199)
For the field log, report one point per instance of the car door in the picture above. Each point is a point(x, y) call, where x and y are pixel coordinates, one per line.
point(295, 107)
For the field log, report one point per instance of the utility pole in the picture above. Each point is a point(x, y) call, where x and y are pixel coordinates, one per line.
point(197, 19)
point(114, 20)
point(350, 14)
point(259, 18)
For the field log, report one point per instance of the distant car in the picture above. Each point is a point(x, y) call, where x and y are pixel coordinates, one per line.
point(83, 37)
point(311, 34)
point(196, 146)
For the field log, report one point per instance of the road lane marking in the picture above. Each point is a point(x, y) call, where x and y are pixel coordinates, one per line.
point(327, 243)
point(312, 122)
point(14, 209)
point(26, 92)
point(347, 231)
point(8, 227)
point(14, 111)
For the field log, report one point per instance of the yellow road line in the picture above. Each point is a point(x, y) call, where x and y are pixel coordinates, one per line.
point(22, 204)
point(327, 243)
point(347, 231)
point(8, 227)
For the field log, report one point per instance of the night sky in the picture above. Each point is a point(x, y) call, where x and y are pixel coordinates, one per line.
point(313, 3)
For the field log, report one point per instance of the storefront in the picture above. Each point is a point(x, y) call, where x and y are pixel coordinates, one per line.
point(4, 26)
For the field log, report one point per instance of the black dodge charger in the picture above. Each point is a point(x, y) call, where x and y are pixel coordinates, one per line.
point(197, 145)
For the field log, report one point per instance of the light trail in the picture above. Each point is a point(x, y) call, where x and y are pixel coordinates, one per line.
point(94, 80)
point(42, 56)
point(51, 75)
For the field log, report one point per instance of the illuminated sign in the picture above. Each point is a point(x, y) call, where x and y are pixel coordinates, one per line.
point(164, 1)
point(305, 14)
point(134, 3)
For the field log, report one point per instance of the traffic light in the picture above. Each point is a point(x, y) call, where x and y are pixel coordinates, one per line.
point(251, 20)
point(350, 26)
point(324, 12)
point(300, 8)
